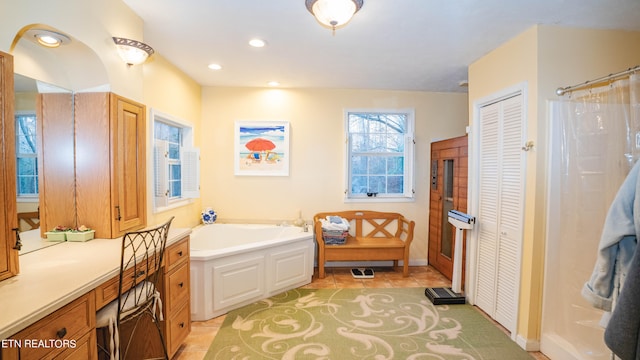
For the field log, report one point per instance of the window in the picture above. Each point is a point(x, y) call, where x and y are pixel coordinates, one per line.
point(380, 155)
point(26, 156)
point(176, 162)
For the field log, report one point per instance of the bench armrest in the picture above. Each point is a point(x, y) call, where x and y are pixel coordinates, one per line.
point(405, 230)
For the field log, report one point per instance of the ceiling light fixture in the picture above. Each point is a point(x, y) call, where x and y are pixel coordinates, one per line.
point(133, 52)
point(333, 13)
point(48, 38)
point(273, 83)
point(214, 66)
point(258, 43)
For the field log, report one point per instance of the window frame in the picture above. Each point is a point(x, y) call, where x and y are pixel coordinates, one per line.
point(186, 149)
point(20, 196)
point(408, 194)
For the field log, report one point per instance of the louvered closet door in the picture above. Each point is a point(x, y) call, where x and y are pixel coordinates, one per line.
point(500, 214)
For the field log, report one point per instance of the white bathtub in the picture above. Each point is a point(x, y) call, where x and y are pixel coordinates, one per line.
point(236, 264)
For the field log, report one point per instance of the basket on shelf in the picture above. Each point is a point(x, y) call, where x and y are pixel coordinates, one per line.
point(334, 237)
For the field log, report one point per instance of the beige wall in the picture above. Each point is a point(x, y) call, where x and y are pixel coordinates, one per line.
point(545, 58)
point(157, 84)
point(100, 20)
point(317, 145)
point(170, 91)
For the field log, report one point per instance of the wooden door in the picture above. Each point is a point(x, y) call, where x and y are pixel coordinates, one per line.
point(8, 211)
point(448, 192)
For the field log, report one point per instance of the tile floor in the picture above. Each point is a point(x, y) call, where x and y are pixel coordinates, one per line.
point(203, 332)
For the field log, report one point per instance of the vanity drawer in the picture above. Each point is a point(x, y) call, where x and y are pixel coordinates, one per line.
point(177, 288)
point(108, 290)
point(178, 327)
point(60, 331)
point(176, 253)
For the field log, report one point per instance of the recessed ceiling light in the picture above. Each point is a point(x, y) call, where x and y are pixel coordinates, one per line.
point(273, 83)
point(257, 43)
point(49, 38)
point(214, 67)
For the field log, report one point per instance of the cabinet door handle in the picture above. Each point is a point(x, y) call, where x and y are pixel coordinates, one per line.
point(118, 217)
point(18, 244)
point(181, 284)
point(181, 325)
point(61, 333)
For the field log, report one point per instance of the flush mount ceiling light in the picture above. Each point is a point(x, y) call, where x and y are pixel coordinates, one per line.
point(333, 13)
point(48, 38)
point(133, 52)
point(258, 43)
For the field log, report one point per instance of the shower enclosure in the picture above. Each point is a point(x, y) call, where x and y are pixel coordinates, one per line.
point(594, 140)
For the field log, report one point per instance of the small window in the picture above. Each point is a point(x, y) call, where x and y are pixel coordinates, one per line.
point(379, 155)
point(26, 156)
point(176, 162)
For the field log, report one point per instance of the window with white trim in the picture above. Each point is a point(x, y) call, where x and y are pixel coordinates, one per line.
point(380, 151)
point(26, 156)
point(176, 162)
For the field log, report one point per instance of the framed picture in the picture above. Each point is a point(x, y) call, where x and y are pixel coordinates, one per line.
point(262, 148)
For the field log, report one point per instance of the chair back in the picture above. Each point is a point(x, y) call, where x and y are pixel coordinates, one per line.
point(141, 259)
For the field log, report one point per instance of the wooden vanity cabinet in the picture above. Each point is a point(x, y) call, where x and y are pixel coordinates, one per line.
point(67, 333)
point(110, 163)
point(8, 211)
point(176, 295)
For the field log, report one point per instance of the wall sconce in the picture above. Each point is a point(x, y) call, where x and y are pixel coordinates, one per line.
point(133, 52)
point(333, 13)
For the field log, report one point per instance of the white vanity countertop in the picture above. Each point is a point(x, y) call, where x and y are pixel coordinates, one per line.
point(53, 277)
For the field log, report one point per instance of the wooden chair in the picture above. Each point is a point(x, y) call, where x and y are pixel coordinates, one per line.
point(141, 259)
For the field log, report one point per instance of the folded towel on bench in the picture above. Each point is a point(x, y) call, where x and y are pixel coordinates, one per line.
point(335, 223)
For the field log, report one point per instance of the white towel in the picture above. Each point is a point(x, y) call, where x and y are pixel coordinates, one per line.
point(335, 223)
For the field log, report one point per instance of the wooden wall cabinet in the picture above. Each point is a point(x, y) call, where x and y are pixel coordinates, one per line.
point(55, 161)
point(8, 211)
point(110, 163)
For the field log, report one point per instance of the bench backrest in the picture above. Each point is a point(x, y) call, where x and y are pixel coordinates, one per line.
point(372, 224)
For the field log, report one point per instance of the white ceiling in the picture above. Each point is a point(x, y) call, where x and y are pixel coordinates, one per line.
point(422, 45)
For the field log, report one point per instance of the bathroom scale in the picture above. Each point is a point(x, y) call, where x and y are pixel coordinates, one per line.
point(362, 273)
point(444, 296)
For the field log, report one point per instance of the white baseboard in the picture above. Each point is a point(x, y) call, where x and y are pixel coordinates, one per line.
point(412, 262)
point(528, 344)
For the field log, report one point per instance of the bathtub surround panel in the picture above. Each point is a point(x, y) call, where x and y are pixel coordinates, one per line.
point(233, 265)
point(237, 279)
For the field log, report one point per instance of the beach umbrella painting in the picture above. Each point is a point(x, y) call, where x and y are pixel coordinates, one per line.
point(260, 144)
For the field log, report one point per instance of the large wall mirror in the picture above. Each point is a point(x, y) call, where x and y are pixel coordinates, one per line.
point(46, 79)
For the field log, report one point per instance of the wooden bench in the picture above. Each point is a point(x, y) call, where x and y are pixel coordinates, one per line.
point(373, 235)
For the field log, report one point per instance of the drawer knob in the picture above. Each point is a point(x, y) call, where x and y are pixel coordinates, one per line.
point(180, 253)
point(181, 284)
point(138, 274)
point(61, 333)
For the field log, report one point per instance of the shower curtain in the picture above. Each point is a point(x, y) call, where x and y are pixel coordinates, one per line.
point(594, 141)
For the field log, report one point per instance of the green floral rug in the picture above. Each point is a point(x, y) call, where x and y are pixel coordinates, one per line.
point(359, 324)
